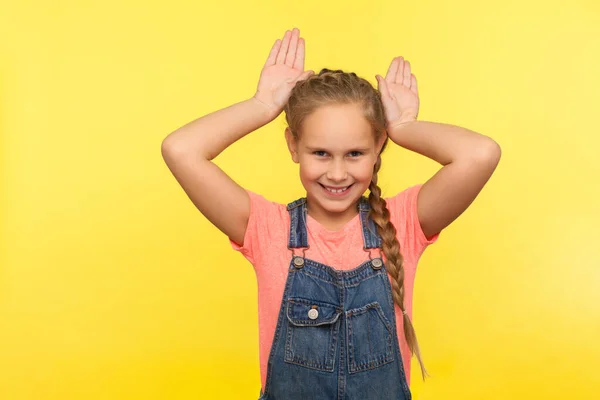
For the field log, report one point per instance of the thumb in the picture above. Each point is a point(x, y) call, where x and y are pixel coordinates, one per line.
point(382, 85)
point(305, 75)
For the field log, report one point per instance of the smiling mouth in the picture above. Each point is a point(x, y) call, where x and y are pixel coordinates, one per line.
point(341, 190)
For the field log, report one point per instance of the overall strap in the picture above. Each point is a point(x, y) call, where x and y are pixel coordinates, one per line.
point(371, 238)
point(298, 233)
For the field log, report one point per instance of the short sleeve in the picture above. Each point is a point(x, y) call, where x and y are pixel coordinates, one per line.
point(404, 216)
point(266, 218)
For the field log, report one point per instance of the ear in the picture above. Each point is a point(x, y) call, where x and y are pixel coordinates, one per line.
point(292, 145)
point(380, 142)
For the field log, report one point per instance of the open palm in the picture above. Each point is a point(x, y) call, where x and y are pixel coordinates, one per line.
point(399, 93)
point(283, 68)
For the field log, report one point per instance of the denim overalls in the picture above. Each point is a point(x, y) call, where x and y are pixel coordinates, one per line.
point(336, 332)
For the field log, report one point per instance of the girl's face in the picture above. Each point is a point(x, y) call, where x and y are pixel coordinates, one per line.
point(336, 153)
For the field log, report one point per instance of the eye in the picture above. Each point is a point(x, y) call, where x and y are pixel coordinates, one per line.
point(356, 153)
point(318, 152)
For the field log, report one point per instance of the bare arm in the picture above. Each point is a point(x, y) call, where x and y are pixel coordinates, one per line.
point(468, 158)
point(188, 151)
point(208, 136)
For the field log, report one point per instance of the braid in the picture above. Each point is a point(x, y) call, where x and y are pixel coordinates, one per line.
point(338, 87)
point(391, 248)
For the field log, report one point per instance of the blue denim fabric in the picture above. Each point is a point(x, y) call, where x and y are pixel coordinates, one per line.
point(348, 348)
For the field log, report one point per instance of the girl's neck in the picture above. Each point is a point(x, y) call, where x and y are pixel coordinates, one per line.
point(331, 221)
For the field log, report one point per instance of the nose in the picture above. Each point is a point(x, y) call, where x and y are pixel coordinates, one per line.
point(337, 171)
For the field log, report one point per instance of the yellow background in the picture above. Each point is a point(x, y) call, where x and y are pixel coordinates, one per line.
point(113, 286)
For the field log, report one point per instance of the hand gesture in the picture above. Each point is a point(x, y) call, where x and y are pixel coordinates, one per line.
point(284, 67)
point(399, 93)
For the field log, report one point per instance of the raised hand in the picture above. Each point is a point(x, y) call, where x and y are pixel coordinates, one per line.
point(399, 93)
point(284, 67)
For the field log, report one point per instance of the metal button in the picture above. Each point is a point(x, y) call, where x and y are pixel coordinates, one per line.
point(298, 261)
point(377, 263)
point(313, 313)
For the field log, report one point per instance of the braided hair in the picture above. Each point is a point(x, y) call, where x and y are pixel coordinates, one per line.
point(339, 87)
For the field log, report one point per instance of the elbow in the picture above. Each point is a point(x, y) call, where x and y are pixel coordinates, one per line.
point(490, 152)
point(167, 152)
point(167, 147)
point(494, 151)
point(170, 150)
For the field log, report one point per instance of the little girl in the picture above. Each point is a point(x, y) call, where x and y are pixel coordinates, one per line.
point(335, 268)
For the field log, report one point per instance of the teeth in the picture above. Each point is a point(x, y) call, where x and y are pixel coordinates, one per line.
point(338, 190)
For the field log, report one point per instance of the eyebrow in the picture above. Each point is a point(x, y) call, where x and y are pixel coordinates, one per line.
point(364, 150)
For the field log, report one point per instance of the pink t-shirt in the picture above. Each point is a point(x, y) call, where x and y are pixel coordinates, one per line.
point(265, 246)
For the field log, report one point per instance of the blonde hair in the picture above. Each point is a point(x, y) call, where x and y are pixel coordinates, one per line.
point(339, 87)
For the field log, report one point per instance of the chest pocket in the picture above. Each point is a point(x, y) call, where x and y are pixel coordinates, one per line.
point(312, 333)
point(370, 338)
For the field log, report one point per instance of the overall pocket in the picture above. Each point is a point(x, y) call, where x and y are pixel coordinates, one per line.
point(311, 333)
point(370, 336)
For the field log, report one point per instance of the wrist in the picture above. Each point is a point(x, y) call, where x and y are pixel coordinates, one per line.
point(399, 123)
point(269, 111)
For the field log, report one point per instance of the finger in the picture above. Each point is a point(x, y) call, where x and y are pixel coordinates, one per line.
point(382, 86)
point(301, 50)
point(273, 53)
point(413, 85)
point(391, 72)
point(400, 72)
point(407, 74)
point(284, 47)
point(291, 54)
point(305, 75)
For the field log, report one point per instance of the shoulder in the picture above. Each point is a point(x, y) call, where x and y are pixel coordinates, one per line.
point(268, 223)
point(403, 208)
point(264, 210)
point(401, 201)
point(263, 201)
